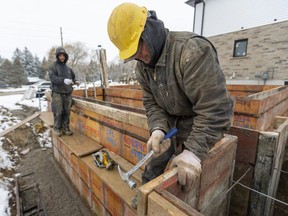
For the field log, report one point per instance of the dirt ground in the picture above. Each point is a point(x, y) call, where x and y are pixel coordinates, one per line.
point(60, 198)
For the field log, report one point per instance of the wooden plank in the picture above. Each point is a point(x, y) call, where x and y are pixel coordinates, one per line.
point(128, 211)
point(262, 172)
point(76, 180)
point(278, 161)
point(111, 139)
point(147, 188)
point(247, 106)
point(247, 144)
point(159, 206)
point(217, 171)
point(133, 149)
point(3, 133)
point(55, 153)
point(86, 192)
point(113, 186)
point(179, 203)
point(273, 99)
point(113, 202)
point(84, 172)
point(97, 186)
point(265, 121)
point(47, 117)
point(104, 68)
point(138, 120)
point(97, 206)
point(80, 144)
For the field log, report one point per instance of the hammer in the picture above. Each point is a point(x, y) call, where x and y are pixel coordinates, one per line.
point(126, 176)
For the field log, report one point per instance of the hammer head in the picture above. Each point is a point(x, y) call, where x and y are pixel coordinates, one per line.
point(126, 178)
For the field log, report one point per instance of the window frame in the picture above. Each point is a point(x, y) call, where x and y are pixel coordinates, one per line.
point(234, 51)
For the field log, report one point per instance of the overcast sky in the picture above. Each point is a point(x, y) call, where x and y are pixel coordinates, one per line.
point(36, 24)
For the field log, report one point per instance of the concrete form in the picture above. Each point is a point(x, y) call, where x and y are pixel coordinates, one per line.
point(116, 121)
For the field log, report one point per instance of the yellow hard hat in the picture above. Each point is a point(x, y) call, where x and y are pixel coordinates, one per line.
point(125, 26)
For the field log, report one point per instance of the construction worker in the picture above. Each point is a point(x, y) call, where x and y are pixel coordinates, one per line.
point(183, 87)
point(62, 79)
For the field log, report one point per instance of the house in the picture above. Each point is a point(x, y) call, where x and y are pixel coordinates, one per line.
point(251, 37)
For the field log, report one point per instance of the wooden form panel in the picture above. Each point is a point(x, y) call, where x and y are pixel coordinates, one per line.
point(114, 135)
point(216, 176)
point(215, 179)
point(247, 144)
point(98, 207)
point(257, 111)
point(84, 172)
point(79, 144)
point(108, 187)
point(159, 206)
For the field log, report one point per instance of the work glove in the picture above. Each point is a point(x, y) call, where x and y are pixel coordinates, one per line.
point(68, 81)
point(77, 83)
point(189, 168)
point(155, 140)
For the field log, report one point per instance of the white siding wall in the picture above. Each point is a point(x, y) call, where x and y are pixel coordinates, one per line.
point(223, 16)
point(198, 16)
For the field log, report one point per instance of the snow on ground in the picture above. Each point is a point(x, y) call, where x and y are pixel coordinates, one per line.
point(13, 102)
point(5, 158)
point(22, 89)
point(5, 196)
point(7, 103)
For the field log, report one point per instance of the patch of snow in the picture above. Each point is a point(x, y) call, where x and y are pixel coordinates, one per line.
point(14, 102)
point(9, 101)
point(6, 119)
point(44, 139)
point(22, 89)
point(5, 158)
point(4, 198)
point(34, 79)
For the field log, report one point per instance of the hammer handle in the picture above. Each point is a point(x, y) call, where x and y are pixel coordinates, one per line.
point(170, 134)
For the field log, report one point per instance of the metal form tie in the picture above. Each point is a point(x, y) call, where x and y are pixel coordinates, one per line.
point(270, 197)
point(223, 195)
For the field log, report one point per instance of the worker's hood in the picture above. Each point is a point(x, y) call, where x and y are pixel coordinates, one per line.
point(61, 50)
point(154, 35)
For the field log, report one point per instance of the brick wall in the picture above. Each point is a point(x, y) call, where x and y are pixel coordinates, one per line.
point(267, 50)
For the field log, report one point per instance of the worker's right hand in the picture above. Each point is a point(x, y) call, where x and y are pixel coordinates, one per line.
point(68, 81)
point(155, 140)
point(189, 168)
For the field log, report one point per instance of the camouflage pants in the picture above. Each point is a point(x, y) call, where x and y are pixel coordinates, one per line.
point(61, 106)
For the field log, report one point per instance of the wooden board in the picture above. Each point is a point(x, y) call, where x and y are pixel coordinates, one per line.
point(262, 171)
point(247, 144)
point(159, 206)
point(48, 118)
point(115, 191)
point(277, 165)
point(80, 144)
point(216, 175)
point(122, 138)
point(138, 120)
point(147, 188)
point(3, 133)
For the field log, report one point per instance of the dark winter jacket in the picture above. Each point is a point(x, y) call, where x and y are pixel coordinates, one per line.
point(187, 89)
point(59, 71)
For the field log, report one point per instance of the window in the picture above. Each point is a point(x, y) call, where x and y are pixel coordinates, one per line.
point(240, 48)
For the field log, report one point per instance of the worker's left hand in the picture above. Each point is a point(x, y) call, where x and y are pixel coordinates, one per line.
point(77, 83)
point(189, 168)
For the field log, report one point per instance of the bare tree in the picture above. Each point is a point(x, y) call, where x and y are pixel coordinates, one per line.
point(78, 53)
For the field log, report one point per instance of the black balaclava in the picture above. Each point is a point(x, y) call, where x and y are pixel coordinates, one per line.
point(154, 35)
point(61, 50)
